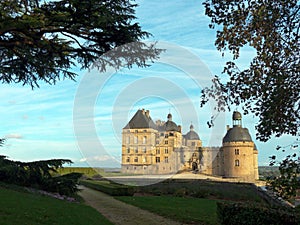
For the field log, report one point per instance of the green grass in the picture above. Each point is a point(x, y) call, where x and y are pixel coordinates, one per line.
point(109, 188)
point(204, 189)
point(89, 172)
point(26, 208)
point(188, 210)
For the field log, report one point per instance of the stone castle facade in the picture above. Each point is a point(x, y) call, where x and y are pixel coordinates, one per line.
point(161, 148)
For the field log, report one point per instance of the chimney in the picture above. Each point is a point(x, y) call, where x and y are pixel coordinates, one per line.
point(227, 127)
point(147, 113)
point(179, 128)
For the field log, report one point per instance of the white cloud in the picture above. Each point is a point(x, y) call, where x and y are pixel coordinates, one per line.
point(13, 136)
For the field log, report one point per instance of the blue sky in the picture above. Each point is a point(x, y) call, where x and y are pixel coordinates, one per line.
point(83, 121)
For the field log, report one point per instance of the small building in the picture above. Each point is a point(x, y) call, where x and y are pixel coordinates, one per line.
point(159, 147)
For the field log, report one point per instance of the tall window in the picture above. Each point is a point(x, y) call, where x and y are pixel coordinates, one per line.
point(157, 159)
point(128, 150)
point(236, 151)
point(144, 150)
point(144, 140)
point(136, 159)
point(127, 140)
point(193, 143)
point(135, 139)
point(237, 162)
point(128, 159)
point(166, 142)
point(144, 159)
point(136, 150)
point(166, 159)
point(157, 151)
point(166, 150)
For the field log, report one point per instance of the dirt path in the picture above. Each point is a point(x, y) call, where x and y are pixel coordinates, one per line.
point(119, 212)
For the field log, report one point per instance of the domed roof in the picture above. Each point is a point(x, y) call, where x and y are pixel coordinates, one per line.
point(237, 133)
point(170, 126)
point(192, 135)
point(236, 115)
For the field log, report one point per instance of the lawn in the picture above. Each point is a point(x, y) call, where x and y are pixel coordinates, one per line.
point(26, 208)
point(188, 210)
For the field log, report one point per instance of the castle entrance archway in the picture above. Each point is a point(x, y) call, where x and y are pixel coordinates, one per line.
point(194, 166)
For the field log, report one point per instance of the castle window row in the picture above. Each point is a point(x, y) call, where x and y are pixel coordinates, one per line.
point(135, 140)
point(136, 159)
point(144, 159)
point(136, 150)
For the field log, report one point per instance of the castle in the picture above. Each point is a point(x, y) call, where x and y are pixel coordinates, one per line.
point(161, 148)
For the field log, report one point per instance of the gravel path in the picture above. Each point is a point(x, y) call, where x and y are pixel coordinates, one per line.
point(119, 212)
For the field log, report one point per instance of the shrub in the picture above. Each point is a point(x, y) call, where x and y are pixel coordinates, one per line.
point(64, 185)
point(248, 214)
point(38, 175)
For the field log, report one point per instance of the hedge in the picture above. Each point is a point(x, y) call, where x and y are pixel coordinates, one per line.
point(109, 188)
point(248, 214)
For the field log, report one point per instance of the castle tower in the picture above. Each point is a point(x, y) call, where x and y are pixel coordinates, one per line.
point(192, 153)
point(239, 152)
point(138, 142)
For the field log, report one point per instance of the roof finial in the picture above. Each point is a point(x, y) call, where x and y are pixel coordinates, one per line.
point(191, 127)
point(237, 118)
point(169, 117)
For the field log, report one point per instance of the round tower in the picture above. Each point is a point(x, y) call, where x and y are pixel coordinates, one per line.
point(239, 152)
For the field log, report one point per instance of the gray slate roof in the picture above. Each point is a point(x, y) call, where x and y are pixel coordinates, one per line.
point(237, 133)
point(140, 120)
point(191, 135)
point(171, 126)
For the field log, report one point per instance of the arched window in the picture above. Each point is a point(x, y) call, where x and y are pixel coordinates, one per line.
point(237, 162)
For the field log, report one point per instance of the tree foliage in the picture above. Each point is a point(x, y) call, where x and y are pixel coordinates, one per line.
point(287, 183)
point(270, 86)
point(2, 140)
point(42, 40)
point(39, 174)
